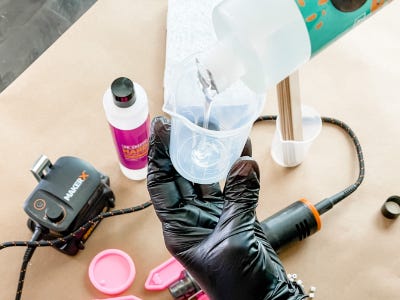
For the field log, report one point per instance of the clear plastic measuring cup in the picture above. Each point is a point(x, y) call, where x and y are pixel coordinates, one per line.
point(206, 142)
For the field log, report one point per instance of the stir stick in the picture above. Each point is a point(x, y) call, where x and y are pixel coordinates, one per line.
point(289, 104)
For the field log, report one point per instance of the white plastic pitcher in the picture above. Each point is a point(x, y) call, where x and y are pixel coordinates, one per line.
point(205, 155)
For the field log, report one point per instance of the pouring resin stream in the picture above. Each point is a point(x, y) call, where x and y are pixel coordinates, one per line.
point(208, 128)
point(204, 153)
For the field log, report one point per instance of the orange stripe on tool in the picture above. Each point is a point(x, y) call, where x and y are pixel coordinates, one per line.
point(314, 212)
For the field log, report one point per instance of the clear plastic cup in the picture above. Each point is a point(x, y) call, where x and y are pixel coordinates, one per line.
point(205, 155)
point(293, 153)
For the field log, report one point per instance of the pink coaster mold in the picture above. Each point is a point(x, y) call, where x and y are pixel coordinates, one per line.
point(112, 271)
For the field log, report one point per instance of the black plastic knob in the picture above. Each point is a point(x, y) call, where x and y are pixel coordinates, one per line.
point(348, 5)
point(54, 213)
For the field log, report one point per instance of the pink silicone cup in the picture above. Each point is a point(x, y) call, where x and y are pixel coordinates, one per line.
point(112, 271)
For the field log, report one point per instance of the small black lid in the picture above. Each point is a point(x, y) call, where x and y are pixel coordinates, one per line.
point(391, 207)
point(123, 92)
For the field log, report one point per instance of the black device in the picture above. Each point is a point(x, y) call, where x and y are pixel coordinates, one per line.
point(69, 194)
point(292, 224)
point(301, 219)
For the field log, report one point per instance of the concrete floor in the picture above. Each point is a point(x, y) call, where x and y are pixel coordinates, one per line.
point(29, 27)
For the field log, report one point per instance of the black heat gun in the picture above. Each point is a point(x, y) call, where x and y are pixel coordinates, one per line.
point(301, 219)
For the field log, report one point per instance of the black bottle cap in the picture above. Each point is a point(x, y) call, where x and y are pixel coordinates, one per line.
point(348, 5)
point(391, 207)
point(123, 92)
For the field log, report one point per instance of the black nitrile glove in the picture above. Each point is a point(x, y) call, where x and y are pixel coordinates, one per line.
point(216, 235)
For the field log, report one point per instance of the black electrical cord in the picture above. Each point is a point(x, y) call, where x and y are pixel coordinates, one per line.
point(36, 242)
point(80, 230)
point(27, 257)
point(327, 203)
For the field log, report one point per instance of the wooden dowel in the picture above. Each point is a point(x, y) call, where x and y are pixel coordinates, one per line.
point(289, 105)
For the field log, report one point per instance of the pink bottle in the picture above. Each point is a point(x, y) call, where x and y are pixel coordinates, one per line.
point(126, 107)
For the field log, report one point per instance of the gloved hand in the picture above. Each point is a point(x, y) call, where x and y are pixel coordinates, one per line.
point(215, 235)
